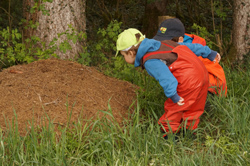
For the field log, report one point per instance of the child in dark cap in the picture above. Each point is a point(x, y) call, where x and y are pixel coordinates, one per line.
point(173, 29)
point(181, 74)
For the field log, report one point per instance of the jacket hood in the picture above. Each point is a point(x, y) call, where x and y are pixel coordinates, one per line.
point(147, 45)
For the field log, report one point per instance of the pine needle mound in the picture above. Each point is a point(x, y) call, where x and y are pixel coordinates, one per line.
point(53, 89)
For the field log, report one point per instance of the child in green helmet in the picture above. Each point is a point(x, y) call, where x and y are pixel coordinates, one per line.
point(178, 70)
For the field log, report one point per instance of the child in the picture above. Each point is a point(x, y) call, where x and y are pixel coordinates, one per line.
point(181, 74)
point(173, 29)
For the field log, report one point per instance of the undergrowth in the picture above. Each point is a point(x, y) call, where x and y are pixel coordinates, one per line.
point(222, 136)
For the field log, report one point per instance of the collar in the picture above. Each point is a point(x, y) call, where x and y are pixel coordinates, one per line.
point(147, 45)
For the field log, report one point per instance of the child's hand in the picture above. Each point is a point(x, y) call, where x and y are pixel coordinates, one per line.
point(181, 102)
point(217, 58)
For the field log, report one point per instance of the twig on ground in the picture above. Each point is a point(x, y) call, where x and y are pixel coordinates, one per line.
point(53, 102)
point(39, 97)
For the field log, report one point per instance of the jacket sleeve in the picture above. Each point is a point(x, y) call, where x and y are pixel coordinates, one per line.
point(201, 50)
point(160, 71)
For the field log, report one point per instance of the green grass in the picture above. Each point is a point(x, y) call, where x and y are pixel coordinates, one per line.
point(223, 136)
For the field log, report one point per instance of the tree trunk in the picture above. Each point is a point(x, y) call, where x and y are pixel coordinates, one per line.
point(241, 29)
point(153, 9)
point(61, 13)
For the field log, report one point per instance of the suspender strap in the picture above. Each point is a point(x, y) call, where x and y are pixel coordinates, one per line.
point(167, 45)
point(153, 53)
point(159, 52)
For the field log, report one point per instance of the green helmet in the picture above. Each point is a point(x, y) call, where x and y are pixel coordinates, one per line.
point(127, 39)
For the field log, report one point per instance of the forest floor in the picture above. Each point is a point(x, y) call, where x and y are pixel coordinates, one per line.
point(53, 89)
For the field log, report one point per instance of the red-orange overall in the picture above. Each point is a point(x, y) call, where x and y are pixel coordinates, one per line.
point(217, 79)
point(192, 78)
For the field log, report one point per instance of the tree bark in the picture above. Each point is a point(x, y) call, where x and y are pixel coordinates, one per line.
point(241, 27)
point(61, 14)
point(153, 9)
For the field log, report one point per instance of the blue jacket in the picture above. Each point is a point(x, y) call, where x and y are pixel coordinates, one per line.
point(187, 39)
point(160, 71)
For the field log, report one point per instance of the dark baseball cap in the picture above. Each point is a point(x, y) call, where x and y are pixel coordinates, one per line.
point(169, 29)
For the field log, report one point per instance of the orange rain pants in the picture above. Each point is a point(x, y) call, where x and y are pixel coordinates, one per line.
point(192, 78)
point(217, 79)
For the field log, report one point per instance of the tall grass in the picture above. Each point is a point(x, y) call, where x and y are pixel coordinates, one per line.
point(223, 136)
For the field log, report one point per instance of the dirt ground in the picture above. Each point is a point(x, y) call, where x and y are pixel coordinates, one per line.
point(55, 87)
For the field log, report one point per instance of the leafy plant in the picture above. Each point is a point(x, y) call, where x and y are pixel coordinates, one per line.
point(224, 143)
point(99, 53)
point(14, 51)
point(203, 32)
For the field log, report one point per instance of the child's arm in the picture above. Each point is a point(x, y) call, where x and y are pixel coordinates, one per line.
point(162, 74)
point(201, 50)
